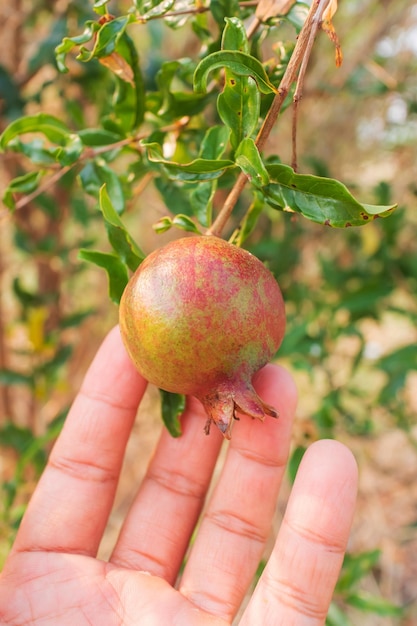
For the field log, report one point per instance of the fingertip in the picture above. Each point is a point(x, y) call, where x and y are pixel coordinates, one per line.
point(331, 457)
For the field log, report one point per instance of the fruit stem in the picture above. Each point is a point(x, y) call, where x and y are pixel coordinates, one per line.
point(299, 56)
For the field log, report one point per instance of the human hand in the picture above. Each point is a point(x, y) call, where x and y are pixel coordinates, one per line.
point(52, 576)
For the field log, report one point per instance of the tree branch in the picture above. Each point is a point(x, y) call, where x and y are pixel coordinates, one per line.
point(300, 55)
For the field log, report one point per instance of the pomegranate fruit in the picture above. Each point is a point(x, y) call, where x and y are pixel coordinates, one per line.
point(199, 317)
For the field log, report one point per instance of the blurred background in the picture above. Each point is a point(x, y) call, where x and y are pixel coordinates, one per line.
point(350, 294)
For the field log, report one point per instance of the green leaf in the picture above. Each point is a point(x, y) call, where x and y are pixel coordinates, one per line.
point(336, 616)
point(94, 137)
point(68, 43)
point(23, 185)
point(221, 9)
point(172, 407)
point(115, 268)
point(158, 10)
point(250, 162)
point(129, 97)
point(122, 243)
point(396, 365)
point(51, 127)
point(11, 377)
point(249, 221)
point(201, 194)
point(355, 567)
point(180, 221)
point(373, 604)
point(195, 171)
point(234, 35)
point(239, 63)
point(35, 150)
point(239, 103)
point(108, 37)
point(322, 200)
point(214, 142)
point(108, 177)
point(295, 461)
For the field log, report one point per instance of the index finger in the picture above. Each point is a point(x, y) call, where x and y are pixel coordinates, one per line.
point(71, 504)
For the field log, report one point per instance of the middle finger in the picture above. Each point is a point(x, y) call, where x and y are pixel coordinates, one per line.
point(159, 525)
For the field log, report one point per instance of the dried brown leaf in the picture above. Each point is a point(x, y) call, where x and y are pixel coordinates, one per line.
point(271, 8)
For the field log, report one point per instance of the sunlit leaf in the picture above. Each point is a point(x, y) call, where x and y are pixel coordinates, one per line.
point(250, 220)
point(116, 270)
point(121, 241)
point(51, 127)
point(196, 170)
point(21, 185)
point(180, 221)
point(373, 604)
point(158, 10)
point(69, 43)
point(129, 96)
point(94, 137)
point(239, 103)
point(250, 162)
point(321, 200)
point(239, 63)
point(107, 38)
point(355, 567)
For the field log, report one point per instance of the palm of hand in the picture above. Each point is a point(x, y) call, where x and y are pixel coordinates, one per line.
point(53, 577)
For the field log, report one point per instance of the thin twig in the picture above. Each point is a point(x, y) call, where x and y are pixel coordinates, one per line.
point(304, 44)
point(298, 94)
point(91, 153)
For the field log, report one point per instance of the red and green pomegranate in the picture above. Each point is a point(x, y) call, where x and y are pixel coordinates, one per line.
point(201, 316)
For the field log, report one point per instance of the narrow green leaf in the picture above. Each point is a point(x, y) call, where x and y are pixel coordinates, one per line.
point(239, 63)
point(172, 407)
point(239, 103)
point(116, 270)
point(129, 96)
point(99, 4)
point(108, 177)
point(214, 142)
point(201, 198)
point(250, 220)
point(162, 225)
point(94, 137)
point(121, 241)
point(355, 567)
point(295, 461)
point(158, 10)
point(250, 162)
point(23, 185)
point(11, 377)
point(322, 200)
point(35, 150)
point(69, 43)
point(373, 604)
point(201, 194)
point(185, 223)
point(54, 129)
point(239, 106)
point(336, 616)
point(108, 37)
point(70, 152)
point(195, 171)
point(234, 35)
point(221, 9)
